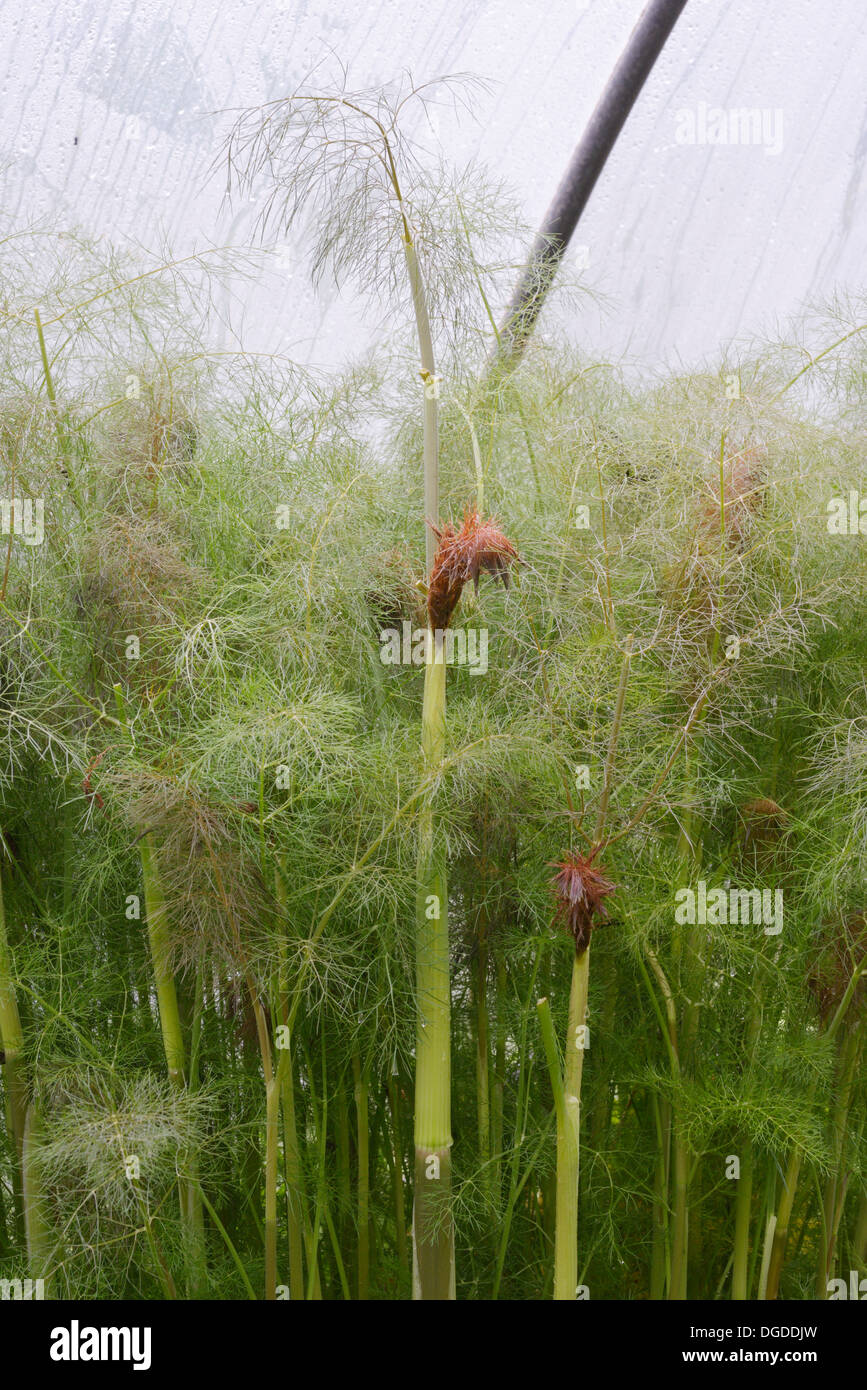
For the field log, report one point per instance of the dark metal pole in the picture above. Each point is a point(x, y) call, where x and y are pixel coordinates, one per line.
point(646, 42)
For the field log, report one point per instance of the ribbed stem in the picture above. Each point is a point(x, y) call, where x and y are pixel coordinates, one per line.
point(294, 1170)
point(272, 1131)
point(430, 418)
point(568, 1131)
point(159, 940)
point(433, 1233)
point(173, 1047)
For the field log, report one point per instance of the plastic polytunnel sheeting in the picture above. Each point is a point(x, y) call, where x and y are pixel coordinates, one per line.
point(735, 194)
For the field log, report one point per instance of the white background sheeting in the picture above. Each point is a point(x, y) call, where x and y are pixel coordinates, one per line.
point(689, 245)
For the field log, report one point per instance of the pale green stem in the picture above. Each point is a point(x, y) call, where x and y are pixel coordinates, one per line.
point(294, 1170)
point(344, 1180)
point(569, 1122)
point(835, 1184)
point(767, 1254)
point(859, 1240)
point(659, 1265)
point(159, 940)
point(743, 1203)
point(780, 1237)
point(363, 1190)
point(433, 1233)
point(291, 1150)
point(272, 1131)
point(793, 1171)
point(431, 390)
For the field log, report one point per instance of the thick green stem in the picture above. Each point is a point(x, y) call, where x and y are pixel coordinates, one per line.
point(659, 1262)
point(568, 1131)
point(272, 1120)
point(63, 438)
point(743, 1206)
point(859, 1239)
point(291, 1150)
point(835, 1187)
point(433, 1232)
point(272, 1131)
point(363, 1151)
point(793, 1172)
point(688, 963)
point(783, 1216)
point(293, 1167)
point(680, 1169)
point(192, 1218)
point(431, 394)
point(344, 1178)
point(680, 1235)
point(160, 944)
point(569, 1121)
point(781, 1225)
point(159, 940)
point(767, 1254)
